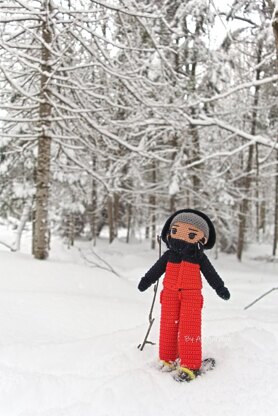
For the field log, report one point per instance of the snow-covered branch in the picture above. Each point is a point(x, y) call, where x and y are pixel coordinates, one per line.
point(205, 121)
point(247, 85)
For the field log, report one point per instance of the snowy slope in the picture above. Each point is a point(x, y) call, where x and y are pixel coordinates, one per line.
point(69, 336)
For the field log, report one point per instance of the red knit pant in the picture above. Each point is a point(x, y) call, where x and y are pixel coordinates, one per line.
point(180, 327)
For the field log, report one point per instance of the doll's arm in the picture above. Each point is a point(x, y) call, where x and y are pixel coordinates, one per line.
point(154, 273)
point(213, 278)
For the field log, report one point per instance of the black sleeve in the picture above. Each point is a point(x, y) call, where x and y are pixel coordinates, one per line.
point(157, 269)
point(211, 275)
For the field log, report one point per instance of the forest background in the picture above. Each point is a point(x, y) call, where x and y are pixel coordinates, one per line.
point(116, 113)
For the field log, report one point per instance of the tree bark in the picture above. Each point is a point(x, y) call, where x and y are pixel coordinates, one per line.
point(147, 232)
point(93, 207)
point(110, 219)
point(116, 208)
point(275, 31)
point(194, 129)
point(129, 217)
point(263, 215)
point(257, 193)
point(275, 237)
point(196, 156)
point(153, 210)
point(172, 204)
point(41, 233)
point(244, 207)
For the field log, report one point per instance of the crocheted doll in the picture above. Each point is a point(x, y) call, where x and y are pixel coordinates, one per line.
point(186, 233)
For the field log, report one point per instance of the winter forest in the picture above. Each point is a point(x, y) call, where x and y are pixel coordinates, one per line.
point(115, 114)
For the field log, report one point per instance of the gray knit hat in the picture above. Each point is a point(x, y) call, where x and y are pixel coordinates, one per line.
point(193, 219)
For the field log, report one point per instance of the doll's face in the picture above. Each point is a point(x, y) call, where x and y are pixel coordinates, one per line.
point(187, 232)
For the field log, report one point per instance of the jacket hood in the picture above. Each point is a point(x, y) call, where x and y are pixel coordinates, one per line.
point(212, 235)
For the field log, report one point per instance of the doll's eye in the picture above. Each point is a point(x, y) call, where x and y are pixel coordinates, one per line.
point(174, 231)
point(192, 236)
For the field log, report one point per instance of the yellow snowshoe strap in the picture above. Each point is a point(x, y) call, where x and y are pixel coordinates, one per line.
point(191, 373)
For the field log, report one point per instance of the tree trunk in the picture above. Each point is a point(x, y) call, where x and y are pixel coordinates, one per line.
point(33, 227)
point(116, 203)
point(71, 229)
point(173, 203)
point(153, 210)
point(129, 217)
point(147, 232)
point(194, 129)
point(153, 223)
point(41, 233)
point(110, 219)
point(275, 237)
point(93, 207)
point(262, 215)
point(257, 194)
point(174, 145)
point(196, 156)
point(244, 207)
point(275, 31)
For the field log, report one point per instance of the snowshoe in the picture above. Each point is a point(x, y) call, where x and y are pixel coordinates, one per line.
point(168, 366)
point(186, 374)
point(208, 364)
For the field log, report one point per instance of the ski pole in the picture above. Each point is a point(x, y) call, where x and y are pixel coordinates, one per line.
point(151, 318)
point(257, 300)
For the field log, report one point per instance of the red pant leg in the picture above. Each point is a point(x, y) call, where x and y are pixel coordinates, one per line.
point(190, 345)
point(169, 325)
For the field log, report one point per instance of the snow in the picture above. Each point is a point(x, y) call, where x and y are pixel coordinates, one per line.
point(69, 336)
point(174, 186)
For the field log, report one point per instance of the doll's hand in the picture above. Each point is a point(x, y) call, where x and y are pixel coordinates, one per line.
point(144, 284)
point(223, 293)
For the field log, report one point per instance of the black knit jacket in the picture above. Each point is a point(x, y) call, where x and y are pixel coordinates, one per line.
point(193, 254)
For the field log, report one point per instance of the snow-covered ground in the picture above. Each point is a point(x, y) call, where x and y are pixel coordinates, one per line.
point(69, 336)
